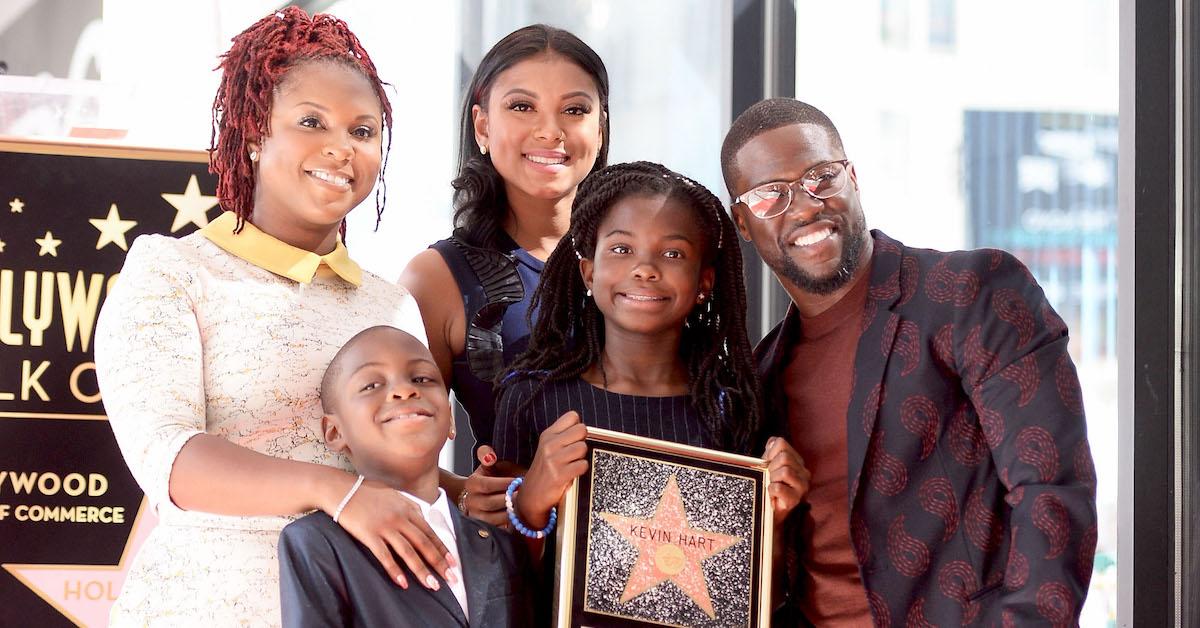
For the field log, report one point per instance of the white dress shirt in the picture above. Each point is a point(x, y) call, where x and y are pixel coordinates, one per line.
point(437, 515)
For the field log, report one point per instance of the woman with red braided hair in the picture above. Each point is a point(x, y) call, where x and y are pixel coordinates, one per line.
point(211, 349)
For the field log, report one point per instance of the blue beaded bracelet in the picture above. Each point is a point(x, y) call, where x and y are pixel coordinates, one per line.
point(516, 521)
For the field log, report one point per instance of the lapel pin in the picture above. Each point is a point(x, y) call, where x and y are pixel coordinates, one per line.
point(483, 534)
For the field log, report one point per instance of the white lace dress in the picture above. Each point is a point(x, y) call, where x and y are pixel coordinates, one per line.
point(194, 339)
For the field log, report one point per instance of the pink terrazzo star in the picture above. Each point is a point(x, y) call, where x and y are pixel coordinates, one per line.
point(669, 549)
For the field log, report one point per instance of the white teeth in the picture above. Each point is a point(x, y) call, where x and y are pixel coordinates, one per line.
point(642, 297)
point(413, 415)
point(546, 160)
point(330, 178)
point(813, 238)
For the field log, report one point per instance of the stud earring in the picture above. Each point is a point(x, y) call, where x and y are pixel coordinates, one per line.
point(253, 155)
point(589, 292)
point(482, 149)
point(701, 297)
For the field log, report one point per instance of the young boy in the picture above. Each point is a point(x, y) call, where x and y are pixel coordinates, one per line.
point(386, 408)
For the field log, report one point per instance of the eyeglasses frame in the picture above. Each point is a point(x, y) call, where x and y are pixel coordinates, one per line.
point(791, 195)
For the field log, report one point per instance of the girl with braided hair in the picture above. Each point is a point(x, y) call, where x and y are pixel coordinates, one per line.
point(641, 330)
point(211, 348)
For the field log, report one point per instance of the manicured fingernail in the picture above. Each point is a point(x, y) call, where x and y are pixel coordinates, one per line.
point(402, 581)
point(432, 583)
point(489, 459)
point(453, 562)
point(450, 576)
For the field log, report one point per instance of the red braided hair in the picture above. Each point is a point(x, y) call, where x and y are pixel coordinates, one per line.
point(250, 73)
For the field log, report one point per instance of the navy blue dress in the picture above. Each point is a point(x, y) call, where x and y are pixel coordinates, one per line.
point(497, 287)
point(531, 404)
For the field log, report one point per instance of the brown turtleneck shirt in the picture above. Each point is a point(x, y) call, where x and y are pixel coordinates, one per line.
point(817, 386)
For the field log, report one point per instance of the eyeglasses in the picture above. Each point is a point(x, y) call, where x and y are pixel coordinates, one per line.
point(820, 182)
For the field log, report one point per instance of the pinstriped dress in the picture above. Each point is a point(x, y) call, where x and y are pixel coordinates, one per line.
point(519, 423)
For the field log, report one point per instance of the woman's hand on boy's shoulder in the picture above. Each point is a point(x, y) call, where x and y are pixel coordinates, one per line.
point(388, 523)
point(560, 458)
point(789, 477)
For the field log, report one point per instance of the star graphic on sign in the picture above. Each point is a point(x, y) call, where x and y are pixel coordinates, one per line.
point(15, 206)
point(85, 593)
point(669, 549)
point(112, 229)
point(191, 206)
point(49, 245)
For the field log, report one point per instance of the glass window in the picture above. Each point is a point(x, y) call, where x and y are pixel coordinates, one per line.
point(1016, 148)
point(942, 27)
point(893, 22)
point(59, 38)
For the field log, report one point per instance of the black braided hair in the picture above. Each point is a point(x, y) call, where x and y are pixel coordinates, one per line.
point(568, 336)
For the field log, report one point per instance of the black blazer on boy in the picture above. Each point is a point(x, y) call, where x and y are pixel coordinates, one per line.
point(327, 578)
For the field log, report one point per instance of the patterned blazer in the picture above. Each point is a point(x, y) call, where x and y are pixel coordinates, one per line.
point(972, 488)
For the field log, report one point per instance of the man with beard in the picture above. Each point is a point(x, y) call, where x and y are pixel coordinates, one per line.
point(930, 394)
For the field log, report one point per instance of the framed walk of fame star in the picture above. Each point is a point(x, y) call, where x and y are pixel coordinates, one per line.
point(662, 533)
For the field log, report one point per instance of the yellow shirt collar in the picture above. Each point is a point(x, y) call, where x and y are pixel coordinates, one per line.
point(281, 258)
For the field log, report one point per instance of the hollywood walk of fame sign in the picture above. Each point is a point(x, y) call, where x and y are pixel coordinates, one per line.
point(666, 534)
point(70, 512)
